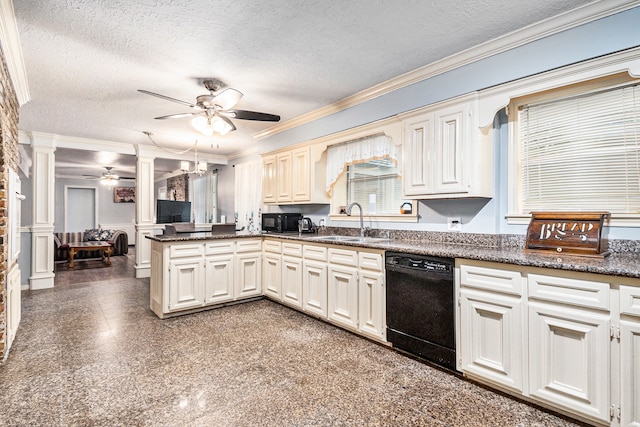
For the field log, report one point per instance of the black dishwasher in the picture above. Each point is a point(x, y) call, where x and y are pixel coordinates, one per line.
point(420, 306)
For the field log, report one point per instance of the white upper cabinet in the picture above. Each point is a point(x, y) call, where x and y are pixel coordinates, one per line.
point(294, 176)
point(445, 154)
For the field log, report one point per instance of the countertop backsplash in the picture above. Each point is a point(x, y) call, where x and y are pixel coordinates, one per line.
point(505, 241)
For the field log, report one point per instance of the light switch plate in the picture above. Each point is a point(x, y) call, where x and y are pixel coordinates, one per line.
point(454, 224)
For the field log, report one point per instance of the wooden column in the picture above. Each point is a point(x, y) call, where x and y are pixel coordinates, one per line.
point(145, 210)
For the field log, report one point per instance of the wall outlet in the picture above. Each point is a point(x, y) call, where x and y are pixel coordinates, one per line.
point(454, 224)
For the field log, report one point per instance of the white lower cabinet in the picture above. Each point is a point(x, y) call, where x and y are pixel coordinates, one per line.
point(219, 278)
point(565, 344)
point(191, 276)
point(186, 278)
point(491, 318)
point(491, 337)
point(569, 362)
point(314, 287)
point(371, 311)
point(630, 356)
point(248, 275)
point(272, 274)
point(292, 281)
point(343, 296)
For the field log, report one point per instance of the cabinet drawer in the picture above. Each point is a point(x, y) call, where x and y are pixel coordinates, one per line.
point(217, 248)
point(582, 293)
point(318, 253)
point(272, 246)
point(248, 245)
point(630, 300)
point(179, 251)
point(292, 249)
point(370, 261)
point(491, 279)
point(344, 257)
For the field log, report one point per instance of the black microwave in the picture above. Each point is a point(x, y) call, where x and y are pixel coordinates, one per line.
point(280, 222)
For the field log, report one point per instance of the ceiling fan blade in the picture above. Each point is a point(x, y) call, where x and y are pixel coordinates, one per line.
point(250, 115)
point(178, 116)
point(188, 104)
point(227, 98)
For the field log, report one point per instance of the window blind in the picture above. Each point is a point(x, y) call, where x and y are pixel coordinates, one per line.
point(376, 186)
point(582, 153)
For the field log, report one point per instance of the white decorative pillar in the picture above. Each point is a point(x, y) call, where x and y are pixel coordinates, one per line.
point(145, 211)
point(43, 183)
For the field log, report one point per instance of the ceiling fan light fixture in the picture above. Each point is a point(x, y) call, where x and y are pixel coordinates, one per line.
point(109, 181)
point(216, 124)
point(202, 125)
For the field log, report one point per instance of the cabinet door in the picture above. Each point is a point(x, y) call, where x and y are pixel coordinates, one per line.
point(449, 150)
point(283, 177)
point(569, 360)
point(218, 273)
point(269, 187)
point(292, 281)
point(272, 275)
point(492, 342)
point(248, 275)
point(630, 372)
point(185, 283)
point(14, 303)
point(343, 296)
point(314, 287)
point(371, 307)
point(417, 156)
point(301, 178)
point(630, 355)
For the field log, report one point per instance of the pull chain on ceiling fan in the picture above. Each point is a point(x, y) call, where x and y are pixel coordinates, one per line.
point(214, 110)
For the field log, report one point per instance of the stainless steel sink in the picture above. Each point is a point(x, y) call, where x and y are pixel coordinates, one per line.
point(352, 239)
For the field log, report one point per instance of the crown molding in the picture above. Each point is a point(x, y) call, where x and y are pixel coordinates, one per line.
point(242, 153)
point(539, 30)
point(10, 42)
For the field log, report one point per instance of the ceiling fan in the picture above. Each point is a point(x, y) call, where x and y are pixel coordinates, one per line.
point(214, 110)
point(108, 178)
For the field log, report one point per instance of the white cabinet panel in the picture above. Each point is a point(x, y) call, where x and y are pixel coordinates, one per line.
point(564, 290)
point(218, 274)
point(269, 185)
point(301, 182)
point(492, 342)
point(343, 295)
point(449, 150)
point(283, 177)
point(292, 281)
point(630, 300)
point(248, 275)
point(417, 152)
point(186, 280)
point(371, 308)
point(272, 275)
point(314, 287)
point(569, 363)
point(491, 279)
point(630, 372)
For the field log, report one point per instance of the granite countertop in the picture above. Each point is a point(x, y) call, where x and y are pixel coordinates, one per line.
point(623, 264)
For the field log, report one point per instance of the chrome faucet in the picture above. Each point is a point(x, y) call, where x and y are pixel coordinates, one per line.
point(361, 219)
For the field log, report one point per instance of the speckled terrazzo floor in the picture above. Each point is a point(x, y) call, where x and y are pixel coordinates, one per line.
point(93, 354)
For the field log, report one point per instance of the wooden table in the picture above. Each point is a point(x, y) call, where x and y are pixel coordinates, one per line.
point(103, 247)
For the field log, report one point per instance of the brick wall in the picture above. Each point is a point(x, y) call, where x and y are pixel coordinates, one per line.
point(8, 159)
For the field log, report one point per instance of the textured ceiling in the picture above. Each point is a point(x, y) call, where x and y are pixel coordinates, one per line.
point(86, 59)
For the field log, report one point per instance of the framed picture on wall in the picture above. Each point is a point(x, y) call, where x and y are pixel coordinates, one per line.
point(124, 194)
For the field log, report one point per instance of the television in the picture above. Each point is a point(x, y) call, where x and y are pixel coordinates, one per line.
point(170, 211)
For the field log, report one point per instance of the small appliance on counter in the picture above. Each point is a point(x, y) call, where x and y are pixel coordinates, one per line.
point(306, 226)
point(280, 222)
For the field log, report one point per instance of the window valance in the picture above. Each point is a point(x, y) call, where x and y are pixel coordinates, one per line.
point(373, 147)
